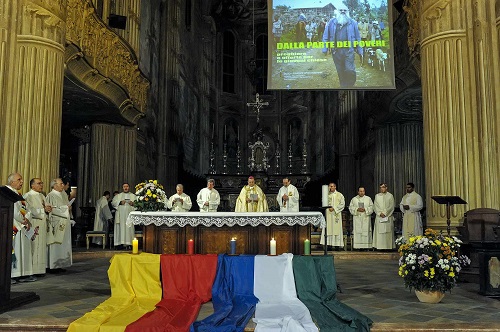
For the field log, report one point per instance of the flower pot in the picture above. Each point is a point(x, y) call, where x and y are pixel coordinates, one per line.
point(429, 296)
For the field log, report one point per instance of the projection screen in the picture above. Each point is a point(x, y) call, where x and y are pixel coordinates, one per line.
point(321, 44)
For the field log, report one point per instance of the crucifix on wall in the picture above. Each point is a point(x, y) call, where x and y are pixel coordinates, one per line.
point(257, 105)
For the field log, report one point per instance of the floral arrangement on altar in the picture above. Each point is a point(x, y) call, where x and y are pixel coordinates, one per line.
point(429, 262)
point(150, 196)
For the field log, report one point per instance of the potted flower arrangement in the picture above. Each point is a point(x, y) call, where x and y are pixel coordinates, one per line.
point(150, 196)
point(429, 264)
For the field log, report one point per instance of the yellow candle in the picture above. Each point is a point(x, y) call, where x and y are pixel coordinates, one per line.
point(273, 246)
point(135, 246)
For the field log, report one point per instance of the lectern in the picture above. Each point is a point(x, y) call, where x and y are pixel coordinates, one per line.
point(9, 300)
point(449, 201)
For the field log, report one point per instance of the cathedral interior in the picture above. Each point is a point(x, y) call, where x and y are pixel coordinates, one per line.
point(110, 91)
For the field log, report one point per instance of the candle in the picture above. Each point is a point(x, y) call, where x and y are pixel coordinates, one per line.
point(135, 246)
point(233, 246)
point(238, 132)
point(213, 130)
point(307, 247)
point(290, 133)
point(324, 195)
point(225, 132)
point(190, 247)
point(273, 246)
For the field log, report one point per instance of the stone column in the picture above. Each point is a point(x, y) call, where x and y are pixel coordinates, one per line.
point(460, 78)
point(31, 82)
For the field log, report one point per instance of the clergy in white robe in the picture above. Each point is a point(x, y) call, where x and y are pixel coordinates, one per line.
point(383, 233)
point(361, 208)
point(335, 233)
point(251, 198)
point(35, 201)
point(179, 202)
point(288, 197)
point(124, 204)
point(410, 205)
point(60, 253)
point(208, 198)
point(22, 263)
point(102, 216)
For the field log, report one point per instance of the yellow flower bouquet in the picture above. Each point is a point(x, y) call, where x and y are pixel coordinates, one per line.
point(429, 262)
point(150, 196)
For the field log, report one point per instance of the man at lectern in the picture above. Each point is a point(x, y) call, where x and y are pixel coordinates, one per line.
point(251, 198)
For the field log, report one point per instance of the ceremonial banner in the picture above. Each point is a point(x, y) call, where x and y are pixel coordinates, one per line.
point(316, 44)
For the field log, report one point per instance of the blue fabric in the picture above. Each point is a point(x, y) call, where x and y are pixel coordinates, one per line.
point(232, 296)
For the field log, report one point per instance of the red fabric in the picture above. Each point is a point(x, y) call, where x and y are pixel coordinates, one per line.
point(187, 284)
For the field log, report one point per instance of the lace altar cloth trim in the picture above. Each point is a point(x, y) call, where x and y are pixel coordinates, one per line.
point(220, 219)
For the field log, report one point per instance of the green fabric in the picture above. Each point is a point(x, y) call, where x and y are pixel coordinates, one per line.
point(316, 286)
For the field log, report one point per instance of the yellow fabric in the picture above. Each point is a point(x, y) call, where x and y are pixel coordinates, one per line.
point(135, 290)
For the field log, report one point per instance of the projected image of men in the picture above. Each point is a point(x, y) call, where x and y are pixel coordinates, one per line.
point(343, 32)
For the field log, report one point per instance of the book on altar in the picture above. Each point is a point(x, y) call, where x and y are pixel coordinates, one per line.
point(254, 197)
point(361, 205)
point(384, 219)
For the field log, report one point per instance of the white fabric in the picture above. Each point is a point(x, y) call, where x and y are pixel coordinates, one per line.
point(412, 216)
point(278, 309)
point(124, 233)
point(102, 215)
point(220, 219)
point(292, 205)
point(177, 205)
point(335, 233)
point(383, 233)
point(35, 204)
point(210, 196)
point(60, 253)
point(362, 222)
point(22, 245)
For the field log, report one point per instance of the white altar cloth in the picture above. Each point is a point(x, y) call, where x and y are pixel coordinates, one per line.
point(219, 219)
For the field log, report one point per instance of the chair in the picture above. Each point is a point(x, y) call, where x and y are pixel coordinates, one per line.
point(90, 234)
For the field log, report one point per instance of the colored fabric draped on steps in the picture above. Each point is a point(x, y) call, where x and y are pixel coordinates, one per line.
point(232, 296)
point(316, 286)
point(278, 309)
point(135, 289)
point(187, 281)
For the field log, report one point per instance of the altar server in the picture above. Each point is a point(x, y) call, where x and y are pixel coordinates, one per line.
point(335, 234)
point(208, 198)
point(361, 208)
point(410, 205)
point(288, 197)
point(124, 204)
point(383, 233)
point(179, 202)
point(103, 216)
point(251, 198)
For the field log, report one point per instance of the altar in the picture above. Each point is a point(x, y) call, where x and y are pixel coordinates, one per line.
point(168, 232)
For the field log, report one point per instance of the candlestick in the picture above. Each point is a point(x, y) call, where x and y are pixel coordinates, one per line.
point(273, 247)
point(233, 246)
point(190, 247)
point(135, 246)
point(324, 195)
point(307, 247)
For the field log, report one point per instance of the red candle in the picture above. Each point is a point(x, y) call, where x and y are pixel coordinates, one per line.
point(190, 247)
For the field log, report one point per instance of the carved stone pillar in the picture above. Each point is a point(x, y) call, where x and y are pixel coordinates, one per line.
point(347, 125)
point(460, 78)
point(113, 153)
point(31, 83)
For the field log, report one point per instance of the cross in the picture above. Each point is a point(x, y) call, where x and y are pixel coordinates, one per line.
point(257, 105)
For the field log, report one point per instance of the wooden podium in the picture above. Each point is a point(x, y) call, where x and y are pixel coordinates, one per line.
point(449, 201)
point(8, 300)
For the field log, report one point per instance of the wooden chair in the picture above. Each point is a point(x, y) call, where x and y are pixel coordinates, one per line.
point(90, 234)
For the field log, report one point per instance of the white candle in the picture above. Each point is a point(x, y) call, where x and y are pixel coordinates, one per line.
point(324, 195)
point(273, 246)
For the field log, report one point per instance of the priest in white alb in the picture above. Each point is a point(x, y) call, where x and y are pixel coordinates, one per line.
point(334, 231)
point(124, 204)
point(35, 202)
point(410, 205)
point(383, 233)
point(251, 198)
point(102, 217)
point(60, 253)
point(208, 198)
point(288, 197)
point(361, 208)
point(179, 202)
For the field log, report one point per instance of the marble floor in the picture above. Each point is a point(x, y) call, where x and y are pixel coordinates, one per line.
point(368, 280)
